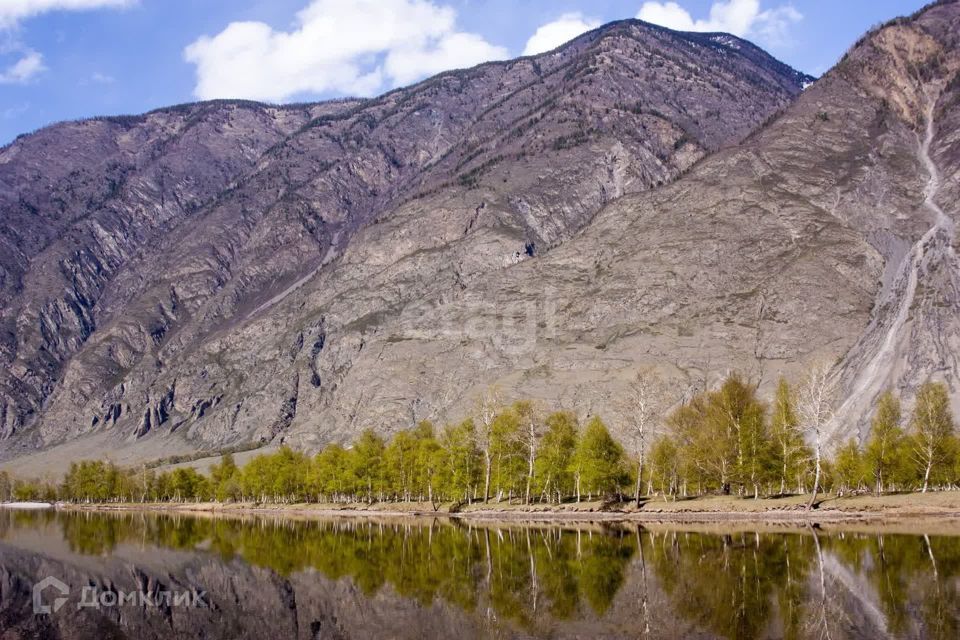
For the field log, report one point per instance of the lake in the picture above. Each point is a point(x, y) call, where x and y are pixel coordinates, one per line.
point(152, 575)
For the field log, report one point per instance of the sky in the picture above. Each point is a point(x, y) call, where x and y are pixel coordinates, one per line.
point(69, 59)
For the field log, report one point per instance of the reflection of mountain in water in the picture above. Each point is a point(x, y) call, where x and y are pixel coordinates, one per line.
point(360, 579)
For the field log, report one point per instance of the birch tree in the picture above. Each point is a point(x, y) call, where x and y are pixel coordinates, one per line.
point(553, 463)
point(790, 451)
point(487, 407)
point(598, 461)
point(644, 412)
point(885, 445)
point(815, 410)
point(530, 434)
point(932, 429)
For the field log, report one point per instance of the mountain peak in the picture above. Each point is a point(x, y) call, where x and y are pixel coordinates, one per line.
point(229, 272)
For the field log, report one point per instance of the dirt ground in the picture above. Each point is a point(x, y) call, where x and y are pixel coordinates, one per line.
point(942, 507)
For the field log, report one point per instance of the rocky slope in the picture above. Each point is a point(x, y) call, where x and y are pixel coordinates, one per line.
point(221, 270)
point(228, 273)
point(828, 235)
point(825, 236)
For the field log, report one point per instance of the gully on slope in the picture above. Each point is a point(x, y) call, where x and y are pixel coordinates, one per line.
point(878, 359)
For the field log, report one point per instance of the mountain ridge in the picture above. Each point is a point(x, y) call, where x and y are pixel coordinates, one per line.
point(250, 349)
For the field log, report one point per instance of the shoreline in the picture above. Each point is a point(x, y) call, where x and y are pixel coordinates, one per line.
point(944, 507)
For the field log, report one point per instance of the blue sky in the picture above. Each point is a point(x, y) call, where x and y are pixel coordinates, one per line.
point(66, 59)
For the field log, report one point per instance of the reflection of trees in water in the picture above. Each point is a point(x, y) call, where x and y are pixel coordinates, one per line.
point(733, 585)
point(513, 573)
point(12, 518)
point(750, 586)
point(808, 584)
point(915, 579)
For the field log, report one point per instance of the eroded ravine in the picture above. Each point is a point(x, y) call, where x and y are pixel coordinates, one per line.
point(880, 358)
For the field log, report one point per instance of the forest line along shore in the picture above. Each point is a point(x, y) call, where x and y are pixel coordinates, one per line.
point(940, 506)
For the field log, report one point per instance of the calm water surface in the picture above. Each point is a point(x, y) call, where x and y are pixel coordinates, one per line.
point(162, 576)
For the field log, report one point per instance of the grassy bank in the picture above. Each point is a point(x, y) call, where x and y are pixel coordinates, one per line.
point(938, 505)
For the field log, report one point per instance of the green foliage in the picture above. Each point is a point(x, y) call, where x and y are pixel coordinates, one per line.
point(849, 469)
point(508, 471)
point(186, 483)
point(722, 440)
point(598, 462)
point(6, 486)
point(933, 439)
point(27, 491)
point(553, 464)
point(885, 456)
point(400, 464)
point(459, 475)
point(366, 464)
point(790, 454)
point(98, 481)
point(665, 466)
point(280, 476)
point(329, 475)
point(225, 479)
point(736, 412)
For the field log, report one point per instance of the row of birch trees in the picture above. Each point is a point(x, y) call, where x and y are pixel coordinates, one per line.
point(724, 441)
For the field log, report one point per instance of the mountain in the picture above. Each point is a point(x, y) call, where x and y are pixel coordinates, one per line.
point(225, 273)
point(825, 236)
point(155, 267)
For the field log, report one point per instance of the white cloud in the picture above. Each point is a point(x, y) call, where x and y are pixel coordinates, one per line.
point(739, 17)
point(13, 11)
point(101, 78)
point(21, 71)
point(337, 46)
point(553, 34)
point(773, 25)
